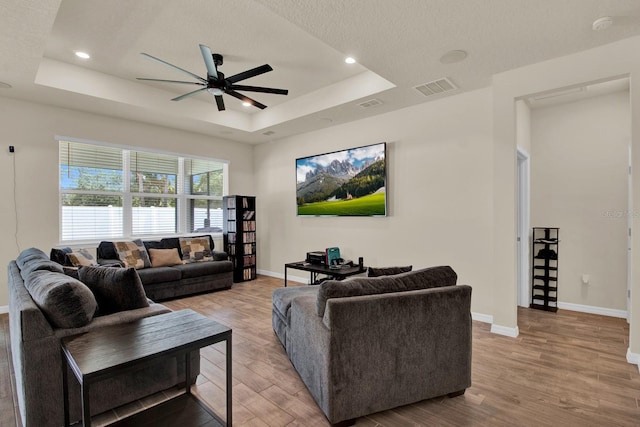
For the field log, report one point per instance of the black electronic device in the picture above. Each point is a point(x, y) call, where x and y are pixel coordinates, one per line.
point(317, 257)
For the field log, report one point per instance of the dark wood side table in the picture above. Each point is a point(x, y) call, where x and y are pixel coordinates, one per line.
point(316, 269)
point(99, 354)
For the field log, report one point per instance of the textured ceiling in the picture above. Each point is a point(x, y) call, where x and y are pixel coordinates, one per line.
point(305, 41)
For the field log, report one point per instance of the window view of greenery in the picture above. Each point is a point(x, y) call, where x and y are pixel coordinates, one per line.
point(95, 203)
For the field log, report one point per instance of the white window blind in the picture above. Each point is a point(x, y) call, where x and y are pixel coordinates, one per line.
point(109, 192)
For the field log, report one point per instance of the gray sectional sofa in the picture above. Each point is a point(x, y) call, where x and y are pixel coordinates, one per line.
point(161, 283)
point(46, 305)
point(369, 344)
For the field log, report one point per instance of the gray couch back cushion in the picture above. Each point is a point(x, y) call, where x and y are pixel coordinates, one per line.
point(420, 279)
point(65, 301)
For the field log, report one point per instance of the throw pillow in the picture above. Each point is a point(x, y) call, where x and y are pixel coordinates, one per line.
point(195, 249)
point(387, 271)
point(115, 289)
point(81, 257)
point(60, 255)
point(65, 301)
point(133, 254)
point(164, 257)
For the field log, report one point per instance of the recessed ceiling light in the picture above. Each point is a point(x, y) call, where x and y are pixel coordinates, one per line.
point(82, 55)
point(349, 60)
point(602, 23)
point(246, 104)
point(453, 56)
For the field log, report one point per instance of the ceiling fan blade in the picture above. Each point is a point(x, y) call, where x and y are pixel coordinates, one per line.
point(220, 102)
point(250, 73)
point(260, 89)
point(245, 99)
point(212, 71)
point(170, 81)
point(174, 67)
point(186, 95)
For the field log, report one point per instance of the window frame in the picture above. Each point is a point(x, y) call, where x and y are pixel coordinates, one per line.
point(181, 195)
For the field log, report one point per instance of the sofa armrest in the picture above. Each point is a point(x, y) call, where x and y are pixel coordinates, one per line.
point(220, 256)
point(307, 346)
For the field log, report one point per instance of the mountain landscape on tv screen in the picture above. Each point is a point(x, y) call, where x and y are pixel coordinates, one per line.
point(350, 182)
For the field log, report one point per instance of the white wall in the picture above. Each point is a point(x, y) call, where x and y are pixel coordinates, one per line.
point(439, 193)
point(579, 160)
point(31, 128)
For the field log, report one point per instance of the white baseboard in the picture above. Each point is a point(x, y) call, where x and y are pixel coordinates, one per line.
point(593, 310)
point(495, 329)
point(633, 358)
point(481, 317)
point(4, 309)
point(290, 278)
point(505, 330)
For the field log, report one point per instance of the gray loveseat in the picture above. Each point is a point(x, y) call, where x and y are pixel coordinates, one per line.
point(369, 344)
point(35, 330)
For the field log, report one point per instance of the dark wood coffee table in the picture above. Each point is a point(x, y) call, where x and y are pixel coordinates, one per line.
point(316, 269)
point(99, 354)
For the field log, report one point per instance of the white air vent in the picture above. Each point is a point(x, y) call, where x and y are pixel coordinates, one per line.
point(437, 86)
point(268, 133)
point(371, 103)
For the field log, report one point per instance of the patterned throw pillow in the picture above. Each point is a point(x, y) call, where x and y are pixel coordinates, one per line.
point(195, 249)
point(81, 257)
point(133, 254)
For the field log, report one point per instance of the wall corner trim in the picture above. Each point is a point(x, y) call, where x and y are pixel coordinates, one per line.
point(505, 330)
point(633, 358)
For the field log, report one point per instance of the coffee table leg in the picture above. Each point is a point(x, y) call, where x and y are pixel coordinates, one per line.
point(86, 411)
point(285, 276)
point(187, 374)
point(65, 390)
point(229, 381)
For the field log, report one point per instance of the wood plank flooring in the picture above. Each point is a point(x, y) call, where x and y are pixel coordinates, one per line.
point(565, 369)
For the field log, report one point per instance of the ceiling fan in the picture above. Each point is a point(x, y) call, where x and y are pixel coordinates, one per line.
point(216, 83)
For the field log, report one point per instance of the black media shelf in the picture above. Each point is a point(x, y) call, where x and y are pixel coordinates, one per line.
point(544, 289)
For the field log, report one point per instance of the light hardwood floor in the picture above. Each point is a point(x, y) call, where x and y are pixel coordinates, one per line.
point(565, 369)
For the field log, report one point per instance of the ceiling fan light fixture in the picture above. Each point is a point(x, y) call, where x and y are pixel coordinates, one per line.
point(215, 91)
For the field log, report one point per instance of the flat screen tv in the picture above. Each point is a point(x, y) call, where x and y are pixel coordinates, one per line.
point(349, 182)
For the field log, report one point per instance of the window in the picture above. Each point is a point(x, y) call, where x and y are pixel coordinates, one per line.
point(110, 192)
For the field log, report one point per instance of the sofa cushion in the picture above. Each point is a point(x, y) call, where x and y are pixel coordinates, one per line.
point(29, 255)
point(150, 276)
point(115, 289)
point(81, 257)
point(200, 269)
point(387, 271)
point(164, 257)
point(39, 265)
point(195, 249)
point(420, 279)
point(133, 254)
point(106, 250)
point(65, 301)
